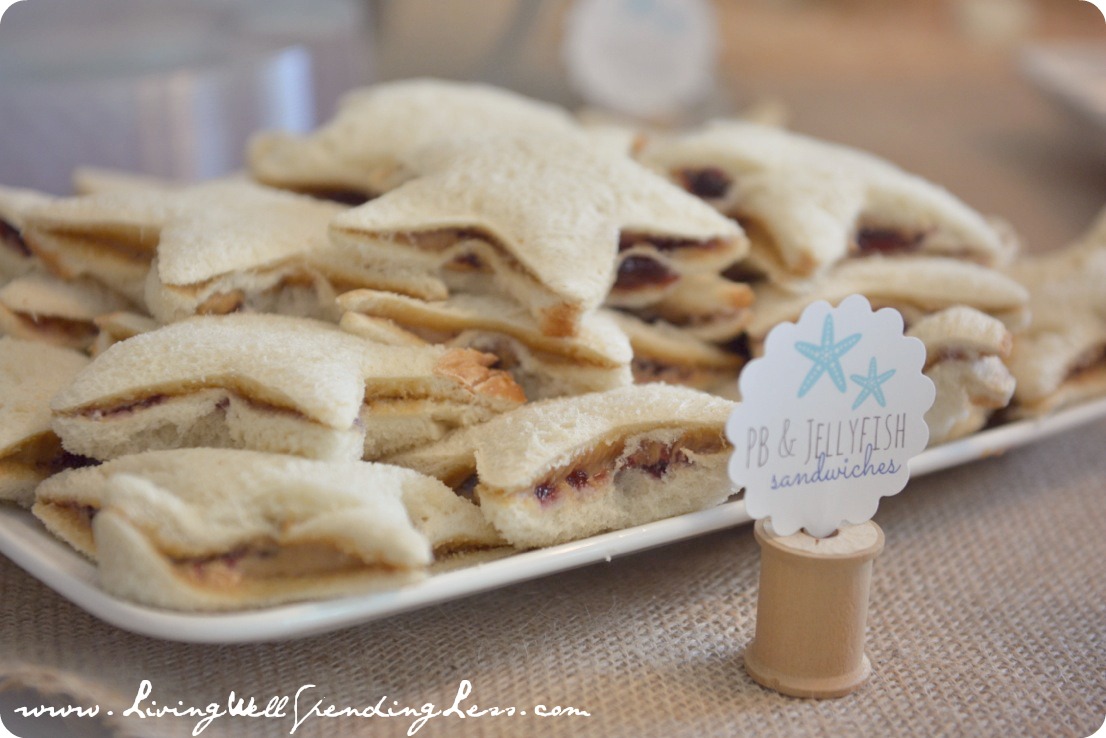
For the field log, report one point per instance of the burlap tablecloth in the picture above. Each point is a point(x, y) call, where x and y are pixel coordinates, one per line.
point(988, 618)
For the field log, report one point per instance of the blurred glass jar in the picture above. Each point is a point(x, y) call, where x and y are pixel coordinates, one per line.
point(171, 88)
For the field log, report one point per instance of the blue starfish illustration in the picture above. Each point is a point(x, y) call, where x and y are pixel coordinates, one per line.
point(871, 384)
point(826, 357)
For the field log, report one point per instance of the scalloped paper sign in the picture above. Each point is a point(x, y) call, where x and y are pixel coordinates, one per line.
point(829, 417)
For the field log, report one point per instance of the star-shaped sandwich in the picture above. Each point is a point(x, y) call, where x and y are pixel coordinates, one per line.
point(559, 470)
point(916, 286)
point(1060, 358)
point(112, 236)
point(277, 384)
point(807, 204)
point(254, 251)
point(218, 529)
point(213, 248)
point(965, 354)
point(360, 153)
point(40, 307)
point(596, 359)
point(542, 219)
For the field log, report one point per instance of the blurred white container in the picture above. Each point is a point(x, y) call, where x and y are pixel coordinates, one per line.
point(163, 87)
point(635, 58)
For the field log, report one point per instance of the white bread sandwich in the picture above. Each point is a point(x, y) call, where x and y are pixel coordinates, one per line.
point(1060, 358)
point(559, 470)
point(916, 286)
point(595, 359)
point(208, 529)
point(250, 253)
point(550, 221)
point(665, 353)
point(965, 351)
point(361, 152)
point(806, 204)
point(112, 235)
point(68, 502)
point(30, 374)
point(273, 383)
point(40, 307)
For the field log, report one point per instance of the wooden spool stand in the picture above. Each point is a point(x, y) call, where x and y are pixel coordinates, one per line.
point(812, 611)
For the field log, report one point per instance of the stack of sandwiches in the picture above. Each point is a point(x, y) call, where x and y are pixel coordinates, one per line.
point(454, 322)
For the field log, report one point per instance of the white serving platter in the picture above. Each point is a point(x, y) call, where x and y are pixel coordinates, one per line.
point(26, 542)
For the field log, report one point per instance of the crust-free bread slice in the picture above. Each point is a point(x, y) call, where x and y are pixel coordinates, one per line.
point(965, 350)
point(1060, 358)
point(559, 470)
point(806, 203)
point(362, 151)
point(665, 353)
point(597, 358)
point(538, 218)
point(961, 332)
point(30, 374)
point(112, 236)
point(219, 532)
point(916, 286)
point(40, 307)
point(68, 502)
point(252, 252)
point(273, 383)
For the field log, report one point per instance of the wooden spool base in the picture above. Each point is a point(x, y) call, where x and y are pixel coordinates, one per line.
point(812, 610)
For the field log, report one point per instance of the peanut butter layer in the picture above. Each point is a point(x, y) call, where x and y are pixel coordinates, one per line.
point(131, 247)
point(475, 376)
point(342, 196)
point(222, 303)
point(479, 321)
point(266, 561)
point(649, 369)
point(62, 331)
point(602, 465)
point(120, 406)
point(870, 240)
